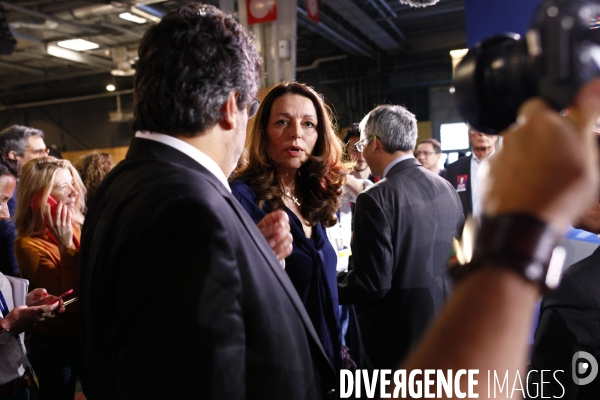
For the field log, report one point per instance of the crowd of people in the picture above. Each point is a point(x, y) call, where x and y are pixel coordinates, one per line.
point(214, 265)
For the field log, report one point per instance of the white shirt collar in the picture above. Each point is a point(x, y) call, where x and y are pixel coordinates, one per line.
point(396, 161)
point(189, 150)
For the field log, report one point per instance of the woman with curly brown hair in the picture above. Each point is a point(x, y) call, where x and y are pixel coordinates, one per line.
point(293, 164)
point(93, 168)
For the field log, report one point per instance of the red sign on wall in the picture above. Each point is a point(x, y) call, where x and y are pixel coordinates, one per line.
point(261, 11)
point(312, 9)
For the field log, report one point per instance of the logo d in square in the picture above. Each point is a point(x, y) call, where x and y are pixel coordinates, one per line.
point(583, 362)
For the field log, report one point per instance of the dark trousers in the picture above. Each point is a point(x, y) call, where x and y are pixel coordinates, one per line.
point(56, 361)
point(17, 394)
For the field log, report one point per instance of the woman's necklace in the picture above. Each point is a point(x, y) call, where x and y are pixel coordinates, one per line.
point(293, 198)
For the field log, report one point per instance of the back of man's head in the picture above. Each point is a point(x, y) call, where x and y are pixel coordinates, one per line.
point(14, 138)
point(395, 126)
point(189, 64)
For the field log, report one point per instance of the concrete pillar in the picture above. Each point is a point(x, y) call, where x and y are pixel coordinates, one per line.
point(276, 41)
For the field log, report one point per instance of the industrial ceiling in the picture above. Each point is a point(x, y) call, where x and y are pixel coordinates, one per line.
point(366, 37)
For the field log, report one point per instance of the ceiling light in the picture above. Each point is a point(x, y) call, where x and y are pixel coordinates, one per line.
point(110, 87)
point(78, 44)
point(133, 18)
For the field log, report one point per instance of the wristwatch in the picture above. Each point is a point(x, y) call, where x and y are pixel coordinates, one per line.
point(5, 336)
point(519, 242)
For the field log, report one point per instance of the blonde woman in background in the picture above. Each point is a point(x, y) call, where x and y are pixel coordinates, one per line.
point(50, 205)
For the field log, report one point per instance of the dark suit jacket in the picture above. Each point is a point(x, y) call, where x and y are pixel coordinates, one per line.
point(569, 322)
point(403, 229)
point(462, 166)
point(181, 295)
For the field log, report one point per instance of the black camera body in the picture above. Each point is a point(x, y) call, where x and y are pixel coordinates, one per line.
point(558, 55)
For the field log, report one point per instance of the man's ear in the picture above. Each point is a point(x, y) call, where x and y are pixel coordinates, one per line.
point(229, 112)
point(377, 146)
point(12, 155)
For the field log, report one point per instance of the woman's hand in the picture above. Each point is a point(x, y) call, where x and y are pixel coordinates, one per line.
point(61, 227)
point(21, 318)
point(275, 227)
point(36, 295)
point(40, 297)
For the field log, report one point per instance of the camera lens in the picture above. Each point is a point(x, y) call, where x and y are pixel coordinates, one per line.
point(493, 80)
point(559, 54)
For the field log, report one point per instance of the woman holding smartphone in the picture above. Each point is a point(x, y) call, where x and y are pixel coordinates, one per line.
point(50, 207)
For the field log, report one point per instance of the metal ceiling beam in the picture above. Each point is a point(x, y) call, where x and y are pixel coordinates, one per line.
point(121, 29)
point(385, 17)
point(361, 20)
point(385, 5)
point(5, 86)
point(68, 100)
point(21, 68)
point(315, 64)
point(24, 36)
point(420, 13)
point(79, 57)
point(50, 17)
point(59, 62)
point(328, 33)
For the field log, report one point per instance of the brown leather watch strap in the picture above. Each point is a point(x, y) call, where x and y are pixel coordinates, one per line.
point(519, 242)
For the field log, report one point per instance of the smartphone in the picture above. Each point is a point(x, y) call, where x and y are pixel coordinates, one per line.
point(66, 303)
point(53, 205)
point(68, 292)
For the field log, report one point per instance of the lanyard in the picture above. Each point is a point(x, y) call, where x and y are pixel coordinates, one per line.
point(3, 305)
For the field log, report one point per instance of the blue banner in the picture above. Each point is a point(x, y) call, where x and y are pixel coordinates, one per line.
point(491, 17)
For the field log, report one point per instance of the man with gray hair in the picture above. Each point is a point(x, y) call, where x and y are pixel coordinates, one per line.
point(403, 229)
point(21, 143)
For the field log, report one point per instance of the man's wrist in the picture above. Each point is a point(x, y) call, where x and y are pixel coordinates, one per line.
point(518, 242)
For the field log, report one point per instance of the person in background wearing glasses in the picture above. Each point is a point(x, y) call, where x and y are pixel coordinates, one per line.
point(182, 296)
point(403, 229)
point(359, 179)
point(428, 153)
point(21, 143)
point(468, 174)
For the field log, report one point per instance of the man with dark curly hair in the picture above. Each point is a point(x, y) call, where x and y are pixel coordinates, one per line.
point(181, 294)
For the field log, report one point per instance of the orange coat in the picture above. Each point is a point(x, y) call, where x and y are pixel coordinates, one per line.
point(40, 262)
